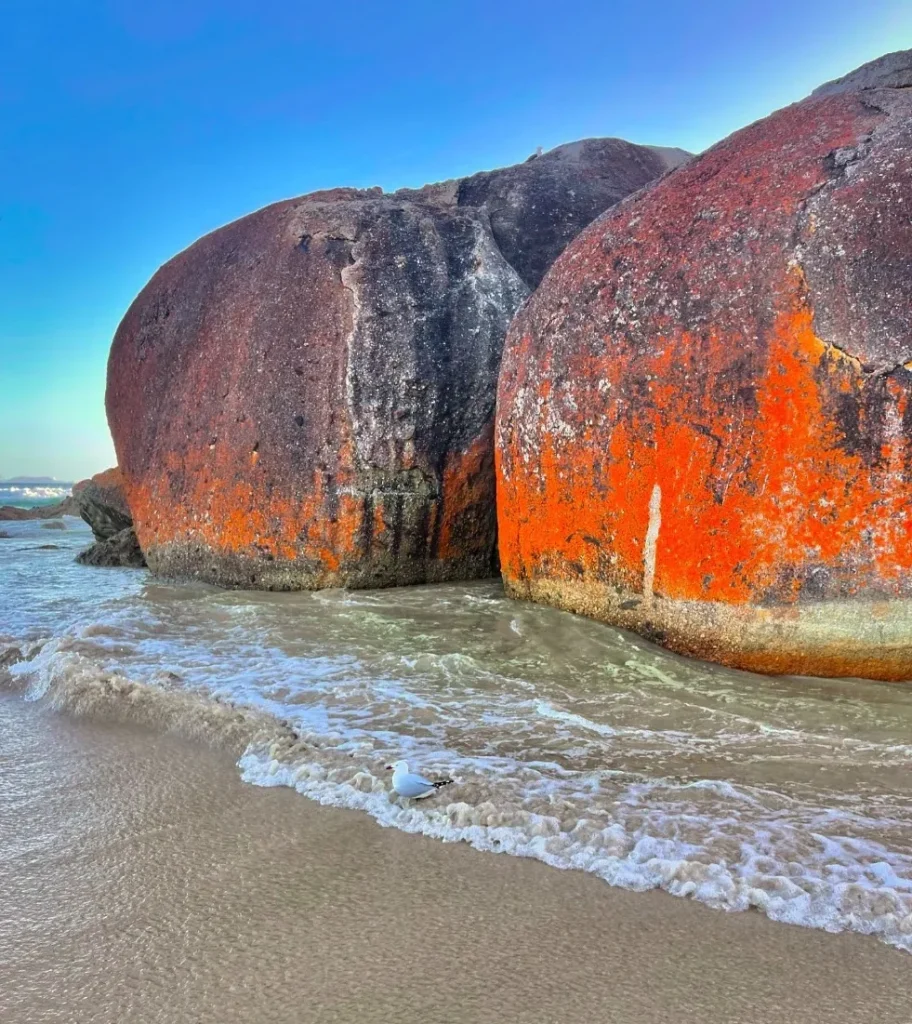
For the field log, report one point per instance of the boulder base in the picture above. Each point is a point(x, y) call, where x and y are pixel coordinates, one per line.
point(118, 551)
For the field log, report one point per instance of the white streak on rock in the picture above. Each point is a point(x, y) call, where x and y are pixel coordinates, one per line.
point(649, 546)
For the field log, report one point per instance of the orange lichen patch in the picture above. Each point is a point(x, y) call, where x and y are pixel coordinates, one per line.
point(756, 498)
point(234, 516)
point(334, 529)
point(112, 478)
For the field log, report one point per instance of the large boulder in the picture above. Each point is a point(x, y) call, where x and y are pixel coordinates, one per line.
point(102, 503)
point(305, 398)
point(704, 417)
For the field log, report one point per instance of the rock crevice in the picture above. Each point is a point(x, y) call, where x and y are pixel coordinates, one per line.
point(305, 398)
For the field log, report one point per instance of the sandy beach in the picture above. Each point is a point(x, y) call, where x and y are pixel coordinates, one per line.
point(143, 881)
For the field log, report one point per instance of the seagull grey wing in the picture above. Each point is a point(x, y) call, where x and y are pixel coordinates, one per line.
point(413, 785)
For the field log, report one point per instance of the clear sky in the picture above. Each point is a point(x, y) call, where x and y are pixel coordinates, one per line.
point(128, 128)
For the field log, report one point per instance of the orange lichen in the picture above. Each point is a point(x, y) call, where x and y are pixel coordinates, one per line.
point(112, 478)
point(743, 500)
point(198, 500)
point(668, 374)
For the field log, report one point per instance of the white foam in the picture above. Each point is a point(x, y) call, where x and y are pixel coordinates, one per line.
point(871, 892)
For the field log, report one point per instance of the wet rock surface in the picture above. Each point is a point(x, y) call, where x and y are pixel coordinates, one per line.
point(118, 551)
point(704, 426)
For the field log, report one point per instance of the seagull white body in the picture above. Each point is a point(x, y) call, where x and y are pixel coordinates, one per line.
point(412, 786)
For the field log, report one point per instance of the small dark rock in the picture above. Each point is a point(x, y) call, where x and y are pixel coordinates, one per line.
point(9, 656)
point(54, 524)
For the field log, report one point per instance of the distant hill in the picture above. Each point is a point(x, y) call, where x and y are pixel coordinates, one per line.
point(41, 481)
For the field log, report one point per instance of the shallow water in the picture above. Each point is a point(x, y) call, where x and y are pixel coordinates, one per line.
point(571, 742)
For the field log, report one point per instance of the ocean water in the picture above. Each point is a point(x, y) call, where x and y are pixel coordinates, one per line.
point(570, 742)
point(33, 495)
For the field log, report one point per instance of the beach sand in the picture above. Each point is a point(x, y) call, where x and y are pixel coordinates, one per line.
point(142, 881)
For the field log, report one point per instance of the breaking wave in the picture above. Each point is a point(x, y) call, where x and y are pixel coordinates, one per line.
point(58, 675)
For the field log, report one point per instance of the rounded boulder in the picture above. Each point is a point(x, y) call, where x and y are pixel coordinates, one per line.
point(304, 398)
point(704, 427)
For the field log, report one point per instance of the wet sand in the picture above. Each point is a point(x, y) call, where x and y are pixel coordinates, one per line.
point(142, 881)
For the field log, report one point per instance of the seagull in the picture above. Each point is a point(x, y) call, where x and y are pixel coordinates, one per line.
point(415, 787)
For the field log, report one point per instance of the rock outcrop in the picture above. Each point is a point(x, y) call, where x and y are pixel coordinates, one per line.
point(13, 513)
point(704, 416)
point(67, 507)
point(102, 503)
point(305, 397)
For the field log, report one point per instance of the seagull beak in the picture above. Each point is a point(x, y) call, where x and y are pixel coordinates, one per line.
point(389, 767)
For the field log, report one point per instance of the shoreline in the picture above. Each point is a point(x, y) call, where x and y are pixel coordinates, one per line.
point(152, 883)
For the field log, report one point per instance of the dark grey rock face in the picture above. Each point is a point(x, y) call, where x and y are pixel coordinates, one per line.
point(434, 297)
point(855, 245)
point(102, 503)
point(119, 551)
point(538, 207)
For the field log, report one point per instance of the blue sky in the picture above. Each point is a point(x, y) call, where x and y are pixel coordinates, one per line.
point(128, 128)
